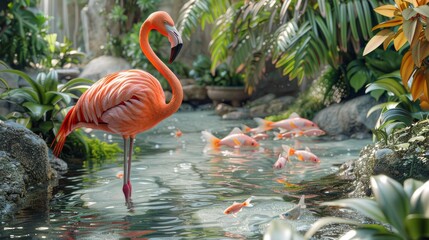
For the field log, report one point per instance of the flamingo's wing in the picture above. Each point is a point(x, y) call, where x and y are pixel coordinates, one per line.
point(120, 98)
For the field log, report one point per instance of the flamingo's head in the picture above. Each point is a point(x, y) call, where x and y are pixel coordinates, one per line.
point(163, 23)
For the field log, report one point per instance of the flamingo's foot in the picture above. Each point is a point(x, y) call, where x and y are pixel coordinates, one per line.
point(126, 189)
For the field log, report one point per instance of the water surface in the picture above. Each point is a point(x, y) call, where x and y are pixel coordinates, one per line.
point(180, 191)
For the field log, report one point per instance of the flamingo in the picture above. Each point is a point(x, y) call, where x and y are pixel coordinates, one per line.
point(129, 102)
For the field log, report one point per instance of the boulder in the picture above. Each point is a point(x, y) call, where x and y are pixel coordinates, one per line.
point(348, 118)
point(101, 66)
point(25, 172)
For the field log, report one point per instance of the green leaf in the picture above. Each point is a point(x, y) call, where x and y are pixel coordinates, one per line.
point(25, 93)
point(392, 200)
point(417, 226)
point(420, 199)
point(410, 186)
point(326, 221)
point(397, 115)
point(386, 105)
point(37, 110)
point(387, 84)
point(370, 231)
point(60, 96)
point(358, 80)
point(74, 82)
point(36, 87)
point(364, 206)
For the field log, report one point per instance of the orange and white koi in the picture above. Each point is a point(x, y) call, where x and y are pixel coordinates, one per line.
point(235, 139)
point(288, 135)
point(120, 175)
point(281, 162)
point(302, 155)
point(178, 133)
point(237, 207)
point(292, 123)
point(313, 132)
point(260, 136)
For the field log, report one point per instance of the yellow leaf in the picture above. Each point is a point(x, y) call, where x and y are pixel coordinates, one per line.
point(390, 23)
point(399, 40)
point(426, 89)
point(427, 29)
point(402, 4)
point(388, 41)
point(377, 40)
point(407, 68)
point(386, 10)
point(417, 85)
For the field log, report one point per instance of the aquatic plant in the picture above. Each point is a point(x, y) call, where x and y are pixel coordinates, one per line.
point(401, 212)
point(60, 53)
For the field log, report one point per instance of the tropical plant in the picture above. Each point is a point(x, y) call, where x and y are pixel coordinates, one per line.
point(22, 33)
point(222, 75)
point(401, 212)
point(299, 36)
point(407, 28)
point(39, 104)
point(59, 54)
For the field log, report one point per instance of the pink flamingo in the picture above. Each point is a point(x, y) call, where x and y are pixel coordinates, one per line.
point(129, 102)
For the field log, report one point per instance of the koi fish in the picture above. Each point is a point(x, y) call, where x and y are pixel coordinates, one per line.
point(237, 207)
point(280, 163)
point(292, 123)
point(312, 132)
point(288, 135)
point(120, 175)
point(260, 136)
point(178, 133)
point(302, 155)
point(295, 212)
point(235, 139)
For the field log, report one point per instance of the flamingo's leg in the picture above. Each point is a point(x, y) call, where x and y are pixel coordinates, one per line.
point(126, 188)
point(130, 155)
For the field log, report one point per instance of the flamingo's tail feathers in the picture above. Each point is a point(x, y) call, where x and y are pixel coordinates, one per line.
point(263, 125)
point(63, 132)
point(212, 141)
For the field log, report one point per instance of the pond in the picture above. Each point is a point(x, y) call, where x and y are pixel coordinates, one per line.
point(180, 191)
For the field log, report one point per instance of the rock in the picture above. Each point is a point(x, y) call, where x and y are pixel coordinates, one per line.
point(279, 104)
point(25, 173)
point(259, 110)
point(223, 108)
point(101, 66)
point(236, 115)
point(262, 100)
point(391, 159)
point(28, 149)
point(12, 185)
point(194, 92)
point(348, 118)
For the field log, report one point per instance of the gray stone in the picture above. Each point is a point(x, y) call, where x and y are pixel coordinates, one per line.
point(262, 100)
point(28, 149)
point(259, 110)
point(101, 66)
point(236, 115)
point(348, 118)
point(222, 109)
point(194, 92)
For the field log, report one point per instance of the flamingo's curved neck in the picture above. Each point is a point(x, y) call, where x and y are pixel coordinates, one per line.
point(176, 87)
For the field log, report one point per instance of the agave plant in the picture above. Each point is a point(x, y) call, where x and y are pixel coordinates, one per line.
point(409, 25)
point(401, 212)
point(40, 102)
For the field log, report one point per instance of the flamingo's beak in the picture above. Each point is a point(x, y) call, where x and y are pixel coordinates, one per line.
point(175, 41)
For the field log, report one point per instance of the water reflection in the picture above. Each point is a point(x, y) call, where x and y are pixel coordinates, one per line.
point(180, 190)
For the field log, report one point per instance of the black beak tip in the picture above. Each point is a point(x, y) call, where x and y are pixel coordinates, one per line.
point(174, 52)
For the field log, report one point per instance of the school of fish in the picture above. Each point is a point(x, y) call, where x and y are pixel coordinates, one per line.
point(293, 127)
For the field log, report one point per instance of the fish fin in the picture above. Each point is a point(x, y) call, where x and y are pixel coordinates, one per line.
point(212, 141)
point(302, 201)
point(277, 135)
point(289, 151)
point(236, 130)
point(263, 125)
point(247, 202)
point(245, 128)
point(307, 149)
point(294, 115)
